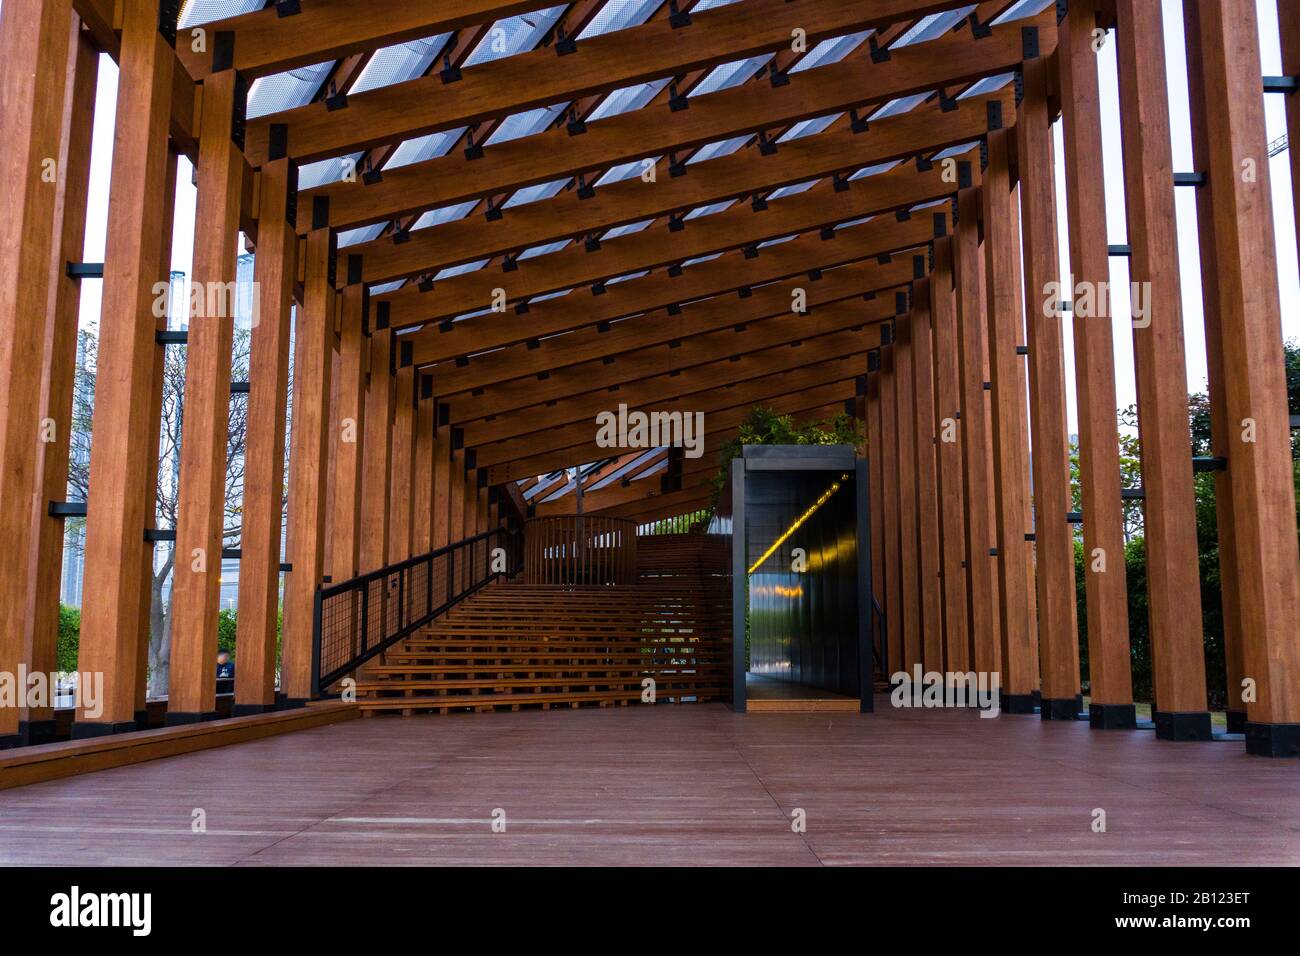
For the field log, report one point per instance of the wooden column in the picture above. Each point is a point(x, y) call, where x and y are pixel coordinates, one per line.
point(112, 620)
point(422, 468)
point(927, 479)
point(376, 467)
point(309, 443)
point(440, 524)
point(947, 425)
point(145, 658)
point(1222, 434)
point(354, 355)
point(456, 504)
point(403, 456)
point(1001, 244)
point(908, 499)
point(876, 492)
point(976, 435)
point(1110, 677)
point(1050, 460)
point(59, 365)
point(1288, 23)
point(892, 595)
point(1223, 39)
point(268, 381)
point(34, 48)
point(1172, 558)
point(200, 509)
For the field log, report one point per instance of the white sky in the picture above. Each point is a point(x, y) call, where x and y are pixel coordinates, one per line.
point(1288, 274)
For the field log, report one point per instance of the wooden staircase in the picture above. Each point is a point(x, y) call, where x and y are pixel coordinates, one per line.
point(516, 645)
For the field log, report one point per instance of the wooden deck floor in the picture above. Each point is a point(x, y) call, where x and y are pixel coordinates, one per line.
point(690, 784)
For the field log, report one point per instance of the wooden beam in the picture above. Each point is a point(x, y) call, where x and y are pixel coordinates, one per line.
point(1225, 42)
point(266, 41)
point(577, 433)
point(309, 444)
point(1050, 460)
point(349, 449)
point(1172, 556)
point(721, 276)
point(268, 376)
point(944, 62)
point(731, 353)
point(1009, 453)
point(530, 80)
point(112, 622)
point(201, 504)
point(1110, 679)
point(563, 452)
point(59, 365)
point(740, 174)
point(574, 266)
point(950, 486)
point(727, 390)
point(927, 478)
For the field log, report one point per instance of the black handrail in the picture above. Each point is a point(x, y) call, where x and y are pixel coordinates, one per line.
point(357, 619)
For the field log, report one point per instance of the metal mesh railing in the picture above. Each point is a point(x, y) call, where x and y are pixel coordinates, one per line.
point(357, 619)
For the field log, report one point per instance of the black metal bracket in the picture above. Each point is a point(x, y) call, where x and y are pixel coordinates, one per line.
point(85, 270)
point(67, 509)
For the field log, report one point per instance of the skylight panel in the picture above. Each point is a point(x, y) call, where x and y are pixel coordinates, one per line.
point(904, 104)
point(794, 190)
point(808, 128)
point(727, 75)
point(618, 15)
point(1021, 9)
point(389, 287)
point(325, 171)
point(699, 259)
point(350, 237)
point(710, 209)
point(876, 169)
point(724, 147)
point(543, 250)
point(987, 85)
point(932, 26)
point(196, 12)
point(627, 99)
point(627, 230)
point(436, 217)
point(287, 90)
point(518, 125)
point(630, 275)
point(399, 63)
point(551, 295)
point(775, 242)
point(830, 51)
point(465, 267)
point(529, 194)
point(422, 148)
point(955, 150)
point(616, 174)
point(514, 35)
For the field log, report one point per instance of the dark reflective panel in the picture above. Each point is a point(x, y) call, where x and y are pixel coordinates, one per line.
point(802, 560)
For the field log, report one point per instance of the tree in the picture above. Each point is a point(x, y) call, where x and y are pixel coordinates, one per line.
point(168, 476)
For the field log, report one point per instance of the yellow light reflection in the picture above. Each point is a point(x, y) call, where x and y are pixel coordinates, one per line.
point(825, 497)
